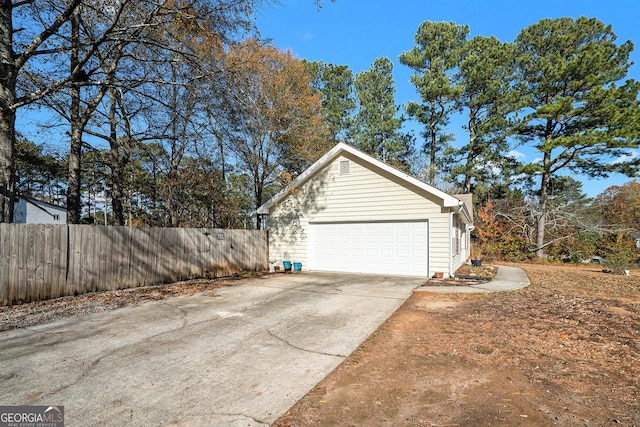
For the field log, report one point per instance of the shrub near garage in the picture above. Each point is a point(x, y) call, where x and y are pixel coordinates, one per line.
point(496, 235)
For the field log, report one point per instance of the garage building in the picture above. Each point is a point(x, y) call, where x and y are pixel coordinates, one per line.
point(350, 212)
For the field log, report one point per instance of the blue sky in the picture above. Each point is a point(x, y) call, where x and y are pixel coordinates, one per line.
point(356, 32)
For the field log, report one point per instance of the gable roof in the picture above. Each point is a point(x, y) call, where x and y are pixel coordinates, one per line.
point(447, 200)
point(41, 205)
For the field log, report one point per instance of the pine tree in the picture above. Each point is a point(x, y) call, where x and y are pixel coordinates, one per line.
point(378, 129)
point(577, 113)
point(434, 59)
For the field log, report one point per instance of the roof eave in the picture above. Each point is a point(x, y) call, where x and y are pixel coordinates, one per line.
point(466, 213)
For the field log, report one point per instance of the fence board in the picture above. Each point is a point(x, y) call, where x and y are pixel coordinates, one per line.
point(49, 261)
point(44, 287)
point(140, 264)
point(73, 262)
point(21, 260)
point(4, 266)
point(58, 247)
point(104, 252)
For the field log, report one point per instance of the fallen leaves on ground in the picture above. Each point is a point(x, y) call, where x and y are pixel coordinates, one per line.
point(39, 312)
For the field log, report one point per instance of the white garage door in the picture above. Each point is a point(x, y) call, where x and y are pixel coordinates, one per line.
point(398, 248)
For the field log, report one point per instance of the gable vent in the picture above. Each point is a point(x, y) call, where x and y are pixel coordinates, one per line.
point(345, 167)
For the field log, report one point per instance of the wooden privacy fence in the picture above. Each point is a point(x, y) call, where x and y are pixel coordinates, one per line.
point(39, 261)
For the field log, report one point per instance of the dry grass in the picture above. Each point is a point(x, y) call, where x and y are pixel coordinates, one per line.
point(565, 351)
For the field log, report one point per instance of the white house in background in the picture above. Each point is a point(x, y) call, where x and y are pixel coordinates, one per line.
point(350, 212)
point(31, 211)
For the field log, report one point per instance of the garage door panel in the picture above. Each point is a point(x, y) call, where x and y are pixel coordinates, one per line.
point(419, 239)
point(404, 238)
point(387, 240)
point(403, 226)
point(398, 248)
point(402, 253)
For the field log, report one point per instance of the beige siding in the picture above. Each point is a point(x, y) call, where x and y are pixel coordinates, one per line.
point(362, 195)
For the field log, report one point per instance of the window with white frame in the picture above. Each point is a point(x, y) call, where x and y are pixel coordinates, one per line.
point(457, 237)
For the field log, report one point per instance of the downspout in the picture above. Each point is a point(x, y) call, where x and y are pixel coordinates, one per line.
point(451, 244)
point(428, 248)
point(460, 205)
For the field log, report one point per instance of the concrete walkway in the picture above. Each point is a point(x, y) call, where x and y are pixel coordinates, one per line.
point(507, 279)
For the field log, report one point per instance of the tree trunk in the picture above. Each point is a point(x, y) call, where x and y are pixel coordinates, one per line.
point(8, 75)
point(178, 141)
point(434, 146)
point(545, 185)
point(117, 164)
point(7, 176)
point(174, 220)
point(117, 193)
point(258, 188)
point(74, 204)
point(466, 186)
point(172, 194)
point(225, 217)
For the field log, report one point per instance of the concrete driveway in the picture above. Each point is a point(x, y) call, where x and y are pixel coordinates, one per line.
point(239, 358)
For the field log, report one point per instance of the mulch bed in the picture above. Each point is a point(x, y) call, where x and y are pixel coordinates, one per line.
point(466, 275)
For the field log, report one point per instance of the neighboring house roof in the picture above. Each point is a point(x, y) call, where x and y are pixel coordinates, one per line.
point(42, 205)
point(447, 200)
point(31, 215)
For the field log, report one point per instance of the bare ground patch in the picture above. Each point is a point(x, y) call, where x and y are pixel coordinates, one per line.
point(565, 351)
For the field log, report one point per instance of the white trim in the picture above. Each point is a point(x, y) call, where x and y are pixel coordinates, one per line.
point(451, 231)
point(448, 201)
point(428, 248)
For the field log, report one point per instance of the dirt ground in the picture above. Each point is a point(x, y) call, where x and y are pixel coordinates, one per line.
point(565, 351)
